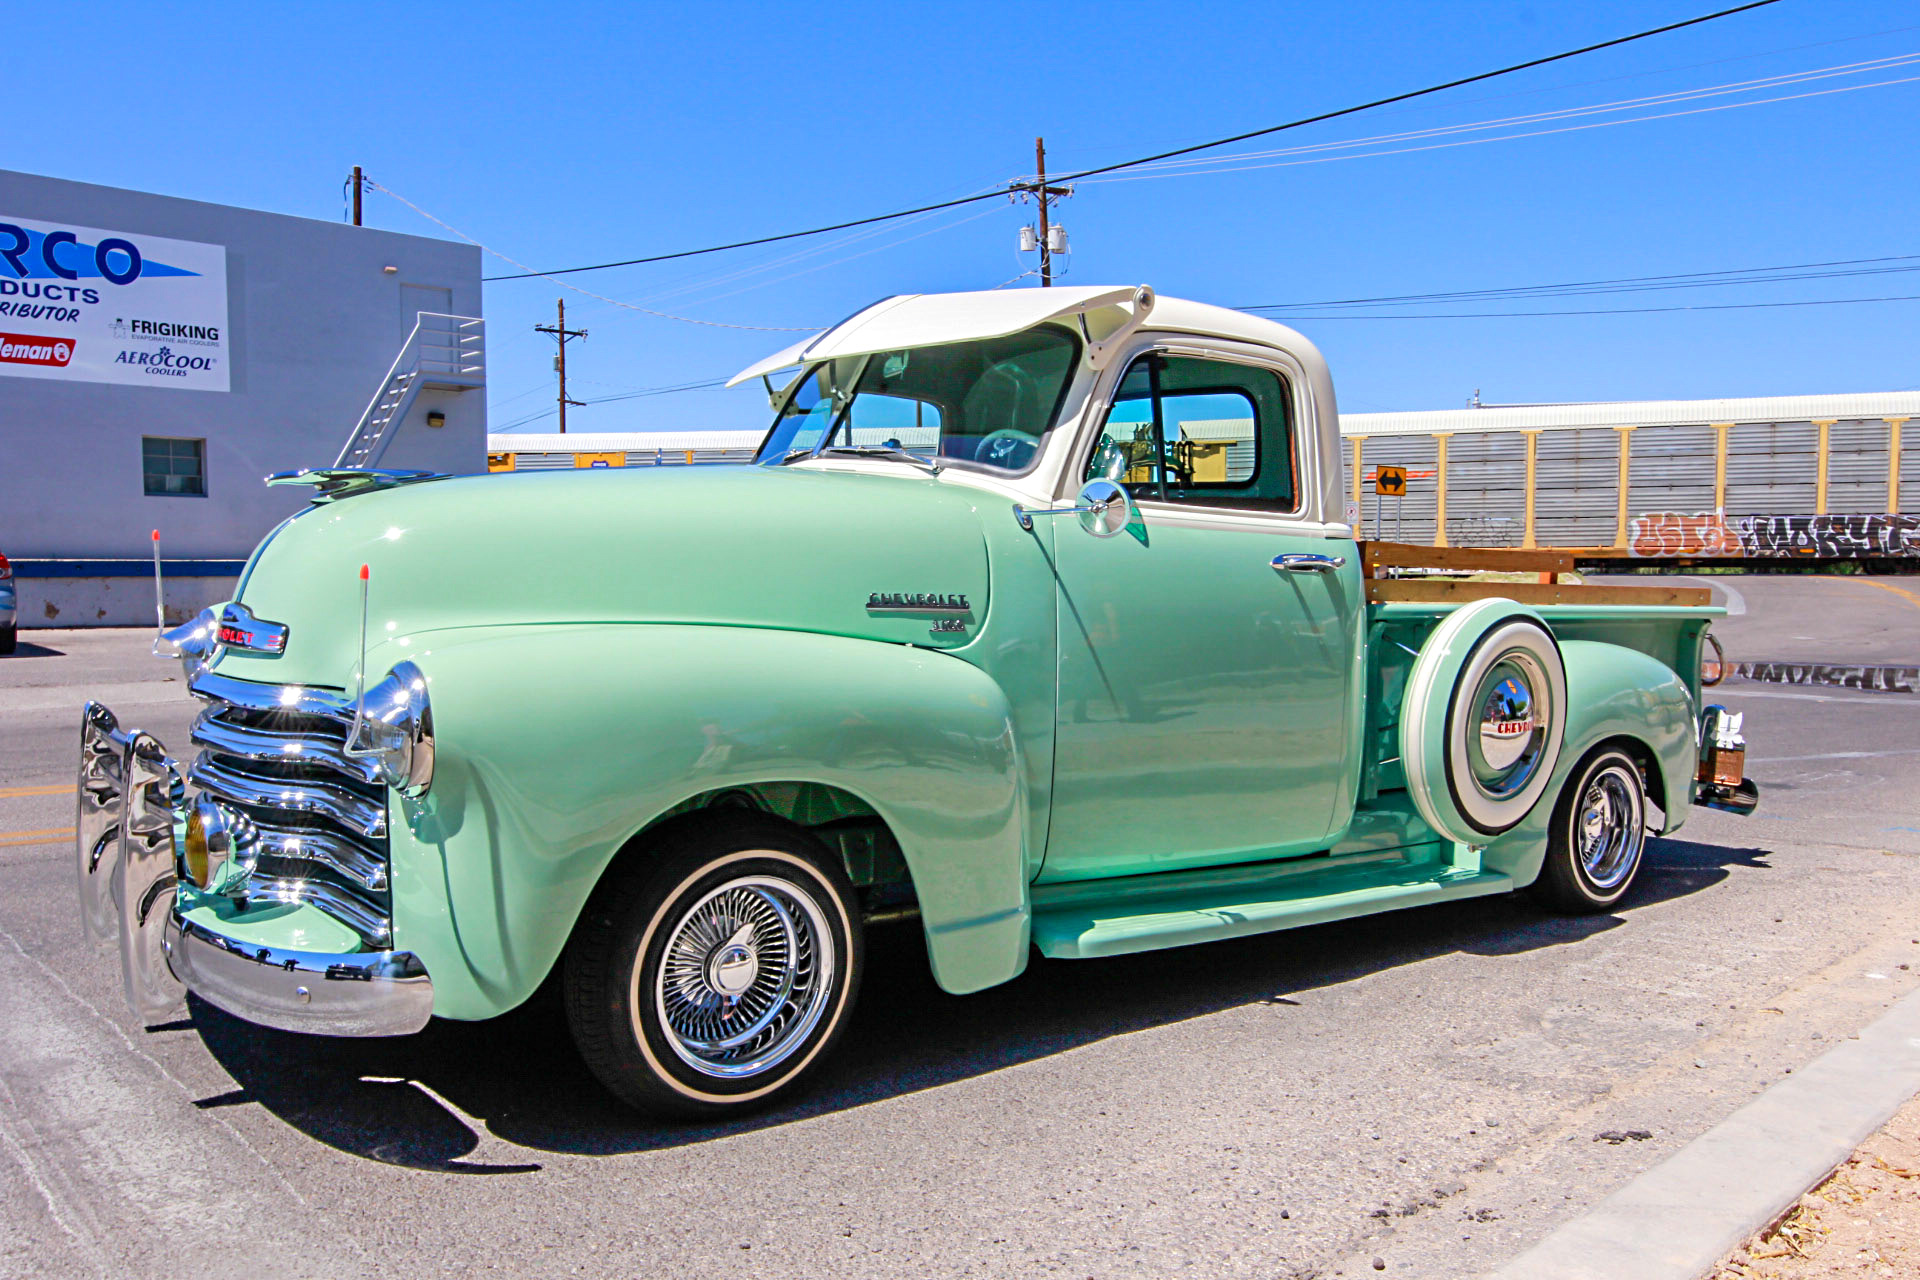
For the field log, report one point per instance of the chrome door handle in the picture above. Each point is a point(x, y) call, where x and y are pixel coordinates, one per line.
point(1308, 562)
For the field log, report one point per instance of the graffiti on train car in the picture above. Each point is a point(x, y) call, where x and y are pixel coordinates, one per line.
point(1834, 676)
point(1670, 533)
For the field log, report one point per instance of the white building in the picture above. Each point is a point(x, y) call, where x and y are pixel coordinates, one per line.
point(159, 357)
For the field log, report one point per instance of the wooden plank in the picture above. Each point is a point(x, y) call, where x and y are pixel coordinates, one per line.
point(1383, 555)
point(1441, 591)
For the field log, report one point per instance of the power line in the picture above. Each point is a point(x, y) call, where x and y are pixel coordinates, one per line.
point(1681, 280)
point(1510, 137)
point(1166, 155)
point(1615, 311)
point(1782, 80)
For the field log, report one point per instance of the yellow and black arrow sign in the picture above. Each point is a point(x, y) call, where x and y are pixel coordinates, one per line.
point(1390, 482)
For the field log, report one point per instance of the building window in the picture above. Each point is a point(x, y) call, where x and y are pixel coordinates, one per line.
point(174, 468)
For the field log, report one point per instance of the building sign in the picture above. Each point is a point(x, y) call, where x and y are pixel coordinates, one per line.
point(79, 304)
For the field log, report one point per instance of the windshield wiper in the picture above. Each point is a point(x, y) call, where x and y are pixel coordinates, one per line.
point(885, 451)
point(794, 455)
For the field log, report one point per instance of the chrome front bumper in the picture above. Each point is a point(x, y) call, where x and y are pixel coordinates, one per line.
point(129, 831)
point(365, 993)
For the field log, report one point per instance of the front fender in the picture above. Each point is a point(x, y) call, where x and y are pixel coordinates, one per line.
point(1612, 692)
point(556, 744)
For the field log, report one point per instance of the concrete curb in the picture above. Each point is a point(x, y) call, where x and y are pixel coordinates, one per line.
point(1679, 1218)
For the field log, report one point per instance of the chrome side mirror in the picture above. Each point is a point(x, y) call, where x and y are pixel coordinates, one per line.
point(1104, 507)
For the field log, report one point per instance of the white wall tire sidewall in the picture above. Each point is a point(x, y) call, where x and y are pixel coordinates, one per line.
point(639, 981)
point(1489, 815)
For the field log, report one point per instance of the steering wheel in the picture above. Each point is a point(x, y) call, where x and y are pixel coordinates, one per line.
point(1006, 448)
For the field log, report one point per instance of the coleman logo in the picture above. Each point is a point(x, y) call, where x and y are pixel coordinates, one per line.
point(24, 348)
point(916, 602)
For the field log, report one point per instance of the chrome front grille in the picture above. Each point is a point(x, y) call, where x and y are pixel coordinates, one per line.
point(277, 754)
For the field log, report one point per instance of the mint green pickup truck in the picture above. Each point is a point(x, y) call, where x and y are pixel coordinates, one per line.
point(1040, 621)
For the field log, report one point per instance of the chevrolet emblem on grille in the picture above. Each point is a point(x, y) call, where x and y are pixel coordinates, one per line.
point(239, 629)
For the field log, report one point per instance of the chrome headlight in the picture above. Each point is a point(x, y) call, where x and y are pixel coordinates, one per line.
point(193, 643)
point(393, 725)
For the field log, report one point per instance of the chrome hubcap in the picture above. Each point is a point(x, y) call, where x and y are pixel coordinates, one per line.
point(1506, 752)
point(745, 977)
point(1612, 827)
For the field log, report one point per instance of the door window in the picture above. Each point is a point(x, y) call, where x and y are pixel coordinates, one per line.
point(1199, 431)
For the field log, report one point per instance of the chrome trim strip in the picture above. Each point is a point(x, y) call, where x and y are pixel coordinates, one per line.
point(367, 993)
point(352, 811)
point(251, 743)
point(362, 917)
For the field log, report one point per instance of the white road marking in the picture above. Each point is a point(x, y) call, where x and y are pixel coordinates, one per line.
point(1836, 755)
point(1865, 700)
point(129, 693)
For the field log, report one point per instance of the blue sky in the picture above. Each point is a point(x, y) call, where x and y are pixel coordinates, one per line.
point(568, 134)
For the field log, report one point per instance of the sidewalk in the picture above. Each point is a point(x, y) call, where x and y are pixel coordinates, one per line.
point(1863, 1223)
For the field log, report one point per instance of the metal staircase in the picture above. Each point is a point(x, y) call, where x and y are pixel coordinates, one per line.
point(443, 353)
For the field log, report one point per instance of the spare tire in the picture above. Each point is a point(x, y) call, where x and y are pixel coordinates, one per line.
point(1483, 720)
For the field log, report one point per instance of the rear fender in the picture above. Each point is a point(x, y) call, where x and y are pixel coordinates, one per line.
point(556, 745)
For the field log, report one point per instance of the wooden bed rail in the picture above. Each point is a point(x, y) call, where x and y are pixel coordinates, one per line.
point(1547, 564)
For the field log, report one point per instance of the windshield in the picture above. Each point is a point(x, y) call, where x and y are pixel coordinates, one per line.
point(989, 403)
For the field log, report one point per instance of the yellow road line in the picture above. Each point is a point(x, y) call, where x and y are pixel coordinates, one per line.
point(9, 793)
point(52, 835)
point(1911, 597)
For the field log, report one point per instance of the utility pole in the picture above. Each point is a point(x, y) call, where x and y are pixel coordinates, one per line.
point(1045, 195)
point(561, 332)
point(358, 180)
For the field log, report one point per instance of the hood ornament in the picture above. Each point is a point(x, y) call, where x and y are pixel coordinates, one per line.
point(334, 483)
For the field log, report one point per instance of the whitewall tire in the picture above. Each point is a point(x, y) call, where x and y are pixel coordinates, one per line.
point(716, 970)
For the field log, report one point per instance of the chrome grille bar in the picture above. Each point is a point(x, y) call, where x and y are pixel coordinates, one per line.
point(365, 867)
point(277, 752)
point(367, 921)
point(295, 699)
point(215, 731)
point(330, 800)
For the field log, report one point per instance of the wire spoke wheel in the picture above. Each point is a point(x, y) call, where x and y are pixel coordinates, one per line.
point(744, 977)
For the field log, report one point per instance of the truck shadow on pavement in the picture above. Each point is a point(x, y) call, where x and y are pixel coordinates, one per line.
point(457, 1093)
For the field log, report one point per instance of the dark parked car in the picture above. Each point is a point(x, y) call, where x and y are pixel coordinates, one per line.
point(7, 607)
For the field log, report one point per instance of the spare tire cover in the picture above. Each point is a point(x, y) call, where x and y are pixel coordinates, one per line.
point(1483, 720)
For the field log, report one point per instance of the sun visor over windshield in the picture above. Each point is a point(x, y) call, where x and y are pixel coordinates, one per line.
point(934, 319)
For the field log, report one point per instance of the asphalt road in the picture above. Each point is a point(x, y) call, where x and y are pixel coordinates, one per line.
point(1424, 1088)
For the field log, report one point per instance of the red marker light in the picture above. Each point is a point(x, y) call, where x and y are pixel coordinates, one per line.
point(363, 573)
point(156, 535)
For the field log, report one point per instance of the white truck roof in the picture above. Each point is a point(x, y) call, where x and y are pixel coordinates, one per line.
point(911, 320)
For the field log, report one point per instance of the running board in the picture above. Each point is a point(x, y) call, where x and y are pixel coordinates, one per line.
point(1081, 926)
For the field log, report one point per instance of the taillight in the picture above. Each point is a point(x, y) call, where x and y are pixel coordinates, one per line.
point(6, 569)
